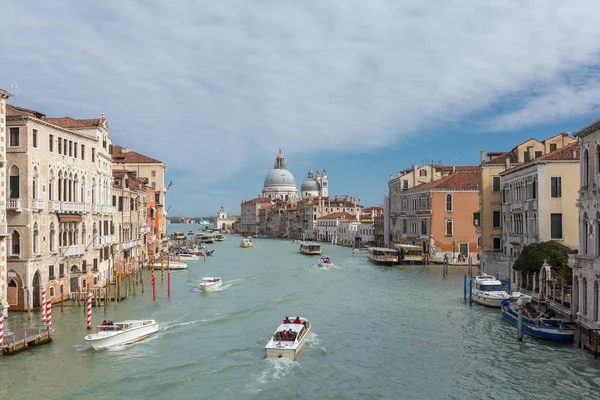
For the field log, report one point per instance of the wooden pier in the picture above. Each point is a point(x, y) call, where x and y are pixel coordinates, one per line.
point(21, 339)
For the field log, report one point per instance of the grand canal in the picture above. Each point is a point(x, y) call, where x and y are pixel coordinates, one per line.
point(378, 333)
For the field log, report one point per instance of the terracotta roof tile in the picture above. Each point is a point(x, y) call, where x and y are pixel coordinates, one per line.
point(70, 123)
point(447, 168)
point(564, 153)
point(14, 111)
point(457, 180)
point(339, 215)
point(124, 155)
point(501, 158)
point(259, 200)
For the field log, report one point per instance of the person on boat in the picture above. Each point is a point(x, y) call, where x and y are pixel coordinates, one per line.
point(287, 321)
point(103, 323)
point(285, 336)
point(297, 320)
point(277, 336)
point(525, 311)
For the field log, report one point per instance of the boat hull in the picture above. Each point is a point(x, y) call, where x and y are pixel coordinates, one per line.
point(383, 262)
point(286, 349)
point(210, 287)
point(311, 253)
point(486, 301)
point(173, 265)
point(188, 257)
point(122, 338)
point(530, 327)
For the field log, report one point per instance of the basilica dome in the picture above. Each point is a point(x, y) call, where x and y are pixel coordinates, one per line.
point(280, 177)
point(280, 183)
point(310, 185)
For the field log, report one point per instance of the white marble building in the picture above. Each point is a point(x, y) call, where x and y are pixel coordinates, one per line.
point(280, 183)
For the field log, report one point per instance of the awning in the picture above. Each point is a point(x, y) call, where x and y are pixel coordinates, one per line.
point(70, 218)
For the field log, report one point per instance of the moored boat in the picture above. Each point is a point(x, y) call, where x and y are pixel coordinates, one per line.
point(535, 324)
point(310, 248)
point(488, 291)
point(208, 283)
point(381, 255)
point(246, 244)
point(120, 333)
point(361, 250)
point(289, 339)
point(187, 256)
point(325, 262)
point(171, 264)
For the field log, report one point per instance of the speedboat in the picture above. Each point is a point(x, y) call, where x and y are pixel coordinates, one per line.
point(325, 262)
point(541, 326)
point(171, 264)
point(488, 291)
point(208, 283)
point(121, 333)
point(246, 244)
point(283, 345)
point(310, 248)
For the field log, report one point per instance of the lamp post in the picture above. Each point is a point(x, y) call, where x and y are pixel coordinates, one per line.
point(453, 247)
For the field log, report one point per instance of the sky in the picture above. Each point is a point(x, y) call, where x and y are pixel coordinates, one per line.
point(363, 88)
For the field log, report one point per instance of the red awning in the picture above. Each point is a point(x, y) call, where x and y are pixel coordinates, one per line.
point(70, 218)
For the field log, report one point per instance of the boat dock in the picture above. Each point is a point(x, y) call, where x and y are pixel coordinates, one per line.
point(22, 339)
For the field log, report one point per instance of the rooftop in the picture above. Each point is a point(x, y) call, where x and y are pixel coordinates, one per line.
point(126, 156)
point(465, 180)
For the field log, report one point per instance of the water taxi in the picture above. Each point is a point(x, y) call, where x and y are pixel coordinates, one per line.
point(208, 283)
point(219, 238)
point(381, 255)
point(488, 291)
point(121, 333)
point(537, 325)
point(409, 254)
point(325, 262)
point(310, 248)
point(246, 244)
point(289, 338)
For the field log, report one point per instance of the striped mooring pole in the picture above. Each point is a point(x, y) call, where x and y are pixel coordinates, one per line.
point(1, 328)
point(43, 308)
point(49, 313)
point(89, 311)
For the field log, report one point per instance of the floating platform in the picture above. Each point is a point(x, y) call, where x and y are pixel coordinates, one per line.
point(21, 339)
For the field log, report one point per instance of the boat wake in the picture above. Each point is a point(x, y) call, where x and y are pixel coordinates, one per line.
point(81, 347)
point(275, 369)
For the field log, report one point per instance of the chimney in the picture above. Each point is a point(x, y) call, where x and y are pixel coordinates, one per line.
point(564, 135)
point(415, 166)
point(399, 174)
point(125, 150)
point(574, 154)
point(507, 163)
point(453, 168)
point(391, 177)
point(482, 156)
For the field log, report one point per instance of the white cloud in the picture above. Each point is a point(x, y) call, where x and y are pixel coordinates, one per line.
point(235, 80)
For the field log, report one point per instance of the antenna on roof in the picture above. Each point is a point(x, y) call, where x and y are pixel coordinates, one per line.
point(14, 86)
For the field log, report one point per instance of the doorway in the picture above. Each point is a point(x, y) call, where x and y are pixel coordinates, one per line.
point(36, 289)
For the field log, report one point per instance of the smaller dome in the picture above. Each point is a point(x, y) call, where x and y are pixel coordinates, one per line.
point(310, 185)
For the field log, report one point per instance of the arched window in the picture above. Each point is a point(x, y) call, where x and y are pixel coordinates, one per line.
point(51, 185)
point(584, 234)
point(598, 158)
point(448, 202)
point(36, 183)
point(15, 243)
point(52, 237)
point(584, 295)
point(595, 300)
point(13, 184)
point(449, 227)
point(585, 170)
point(36, 239)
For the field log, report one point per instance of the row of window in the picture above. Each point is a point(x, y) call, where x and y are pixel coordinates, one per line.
point(528, 190)
point(64, 146)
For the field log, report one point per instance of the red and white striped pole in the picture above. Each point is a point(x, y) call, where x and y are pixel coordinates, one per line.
point(1, 328)
point(49, 313)
point(89, 311)
point(43, 307)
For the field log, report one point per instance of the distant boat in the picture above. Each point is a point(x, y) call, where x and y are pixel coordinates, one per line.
point(380, 255)
point(310, 248)
point(541, 326)
point(246, 244)
point(325, 262)
point(208, 283)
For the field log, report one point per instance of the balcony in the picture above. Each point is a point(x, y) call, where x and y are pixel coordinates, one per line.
point(72, 250)
point(130, 244)
point(126, 213)
point(14, 204)
point(3, 229)
point(108, 209)
point(37, 204)
point(107, 239)
point(144, 229)
point(54, 205)
point(152, 238)
point(87, 208)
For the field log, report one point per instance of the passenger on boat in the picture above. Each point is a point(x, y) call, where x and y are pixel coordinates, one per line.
point(103, 323)
point(285, 336)
point(287, 321)
point(525, 311)
point(277, 336)
point(297, 320)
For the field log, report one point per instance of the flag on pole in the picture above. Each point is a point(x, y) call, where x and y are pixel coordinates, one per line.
point(169, 186)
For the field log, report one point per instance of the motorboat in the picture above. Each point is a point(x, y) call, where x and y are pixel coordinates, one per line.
point(170, 264)
point(208, 283)
point(187, 256)
point(310, 248)
point(362, 250)
point(246, 244)
point(120, 333)
point(541, 326)
point(381, 255)
point(325, 262)
point(219, 237)
point(284, 345)
point(488, 291)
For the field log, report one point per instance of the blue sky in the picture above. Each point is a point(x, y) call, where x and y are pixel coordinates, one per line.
point(363, 88)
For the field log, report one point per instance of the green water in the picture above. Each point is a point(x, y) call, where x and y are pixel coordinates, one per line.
point(378, 333)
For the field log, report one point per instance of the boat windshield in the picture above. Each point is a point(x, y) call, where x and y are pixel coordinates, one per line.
point(491, 288)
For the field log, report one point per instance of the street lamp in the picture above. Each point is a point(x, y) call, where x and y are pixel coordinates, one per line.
point(453, 247)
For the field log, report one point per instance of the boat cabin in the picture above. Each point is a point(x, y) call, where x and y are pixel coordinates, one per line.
point(310, 248)
point(383, 255)
point(491, 285)
point(409, 254)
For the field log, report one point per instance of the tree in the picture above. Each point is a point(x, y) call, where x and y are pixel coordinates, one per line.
point(555, 254)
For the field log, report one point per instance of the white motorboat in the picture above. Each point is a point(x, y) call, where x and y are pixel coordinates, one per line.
point(208, 283)
point(288, 344)
point(310, 248)
point(188, 257)
point(325, 262)
point(121, 333)
point(246, 244)
point(171, 264)
point(488, 291)
point(219, 237)
point(362, 250)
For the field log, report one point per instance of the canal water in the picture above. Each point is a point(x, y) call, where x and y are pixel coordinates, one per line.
point(378, 333)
